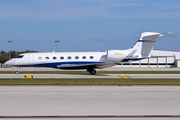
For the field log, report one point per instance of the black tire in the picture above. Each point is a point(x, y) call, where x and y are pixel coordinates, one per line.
point(92, 72)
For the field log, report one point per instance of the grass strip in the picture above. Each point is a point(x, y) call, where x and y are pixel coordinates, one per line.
point(85, 72)
point(88, 81)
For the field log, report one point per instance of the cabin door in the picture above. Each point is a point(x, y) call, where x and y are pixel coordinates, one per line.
point(31, 59)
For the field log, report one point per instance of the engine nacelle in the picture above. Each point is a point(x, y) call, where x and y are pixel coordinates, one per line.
point(117, 55)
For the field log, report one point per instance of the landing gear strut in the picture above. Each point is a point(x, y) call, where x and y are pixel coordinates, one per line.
point(17, 70)
point(91, 71)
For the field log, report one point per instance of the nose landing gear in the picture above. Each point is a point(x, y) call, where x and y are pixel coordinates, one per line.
point(17, 70)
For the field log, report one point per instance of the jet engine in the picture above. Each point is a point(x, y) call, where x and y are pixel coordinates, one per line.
point(116, 55)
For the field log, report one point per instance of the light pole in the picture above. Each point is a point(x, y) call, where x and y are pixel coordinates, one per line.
point(9, 49)
point(57, 44)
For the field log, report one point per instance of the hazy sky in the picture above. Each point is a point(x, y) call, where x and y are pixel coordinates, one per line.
point(87, 25)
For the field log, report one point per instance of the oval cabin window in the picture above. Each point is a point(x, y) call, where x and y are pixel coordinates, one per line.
point(61, 57)
point(54, 58)
point(91, 57)
point(84, 57)
point(39, 58)
point(69, 57)
point(76, 57)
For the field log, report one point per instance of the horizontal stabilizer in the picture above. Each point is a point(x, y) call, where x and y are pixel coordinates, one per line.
point(151, 36)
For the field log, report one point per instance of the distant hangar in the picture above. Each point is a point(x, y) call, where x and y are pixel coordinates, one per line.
point(159, 58)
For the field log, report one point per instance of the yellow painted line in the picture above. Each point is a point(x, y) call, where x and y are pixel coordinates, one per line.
point(123, 76)
point(124, 85)
point(28, 76)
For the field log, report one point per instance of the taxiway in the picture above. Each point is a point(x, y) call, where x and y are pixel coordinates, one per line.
point(89, 100)
point(91, 76)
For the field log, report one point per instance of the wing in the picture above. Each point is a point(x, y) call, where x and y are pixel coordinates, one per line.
point(99, 65)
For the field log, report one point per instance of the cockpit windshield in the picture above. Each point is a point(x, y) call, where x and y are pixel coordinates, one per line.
point(19, 56)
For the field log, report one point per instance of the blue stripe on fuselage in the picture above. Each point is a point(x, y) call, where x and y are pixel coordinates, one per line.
point(66, 64)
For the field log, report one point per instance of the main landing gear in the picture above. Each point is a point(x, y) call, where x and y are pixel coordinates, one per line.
point(91, 71)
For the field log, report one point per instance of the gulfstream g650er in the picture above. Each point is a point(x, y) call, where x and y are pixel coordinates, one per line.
point(88, 60)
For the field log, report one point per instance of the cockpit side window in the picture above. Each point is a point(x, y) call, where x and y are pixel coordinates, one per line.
point(19, 56)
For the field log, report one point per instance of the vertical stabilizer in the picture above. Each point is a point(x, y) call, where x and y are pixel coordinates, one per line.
point(146, 43)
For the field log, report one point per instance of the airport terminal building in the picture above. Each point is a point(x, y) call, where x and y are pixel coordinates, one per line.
point(159, 58)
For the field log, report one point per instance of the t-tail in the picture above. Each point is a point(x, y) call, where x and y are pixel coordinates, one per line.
point(140, 50)
point(145, 44)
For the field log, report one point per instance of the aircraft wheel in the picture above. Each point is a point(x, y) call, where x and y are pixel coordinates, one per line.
point(92, 72)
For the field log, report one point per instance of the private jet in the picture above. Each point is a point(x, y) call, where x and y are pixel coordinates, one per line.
point(88, 60)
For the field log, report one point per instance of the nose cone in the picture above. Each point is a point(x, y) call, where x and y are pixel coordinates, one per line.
point(9, 63)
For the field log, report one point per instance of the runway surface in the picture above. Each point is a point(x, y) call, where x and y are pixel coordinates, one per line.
point(91, 76)
point(90, 100)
